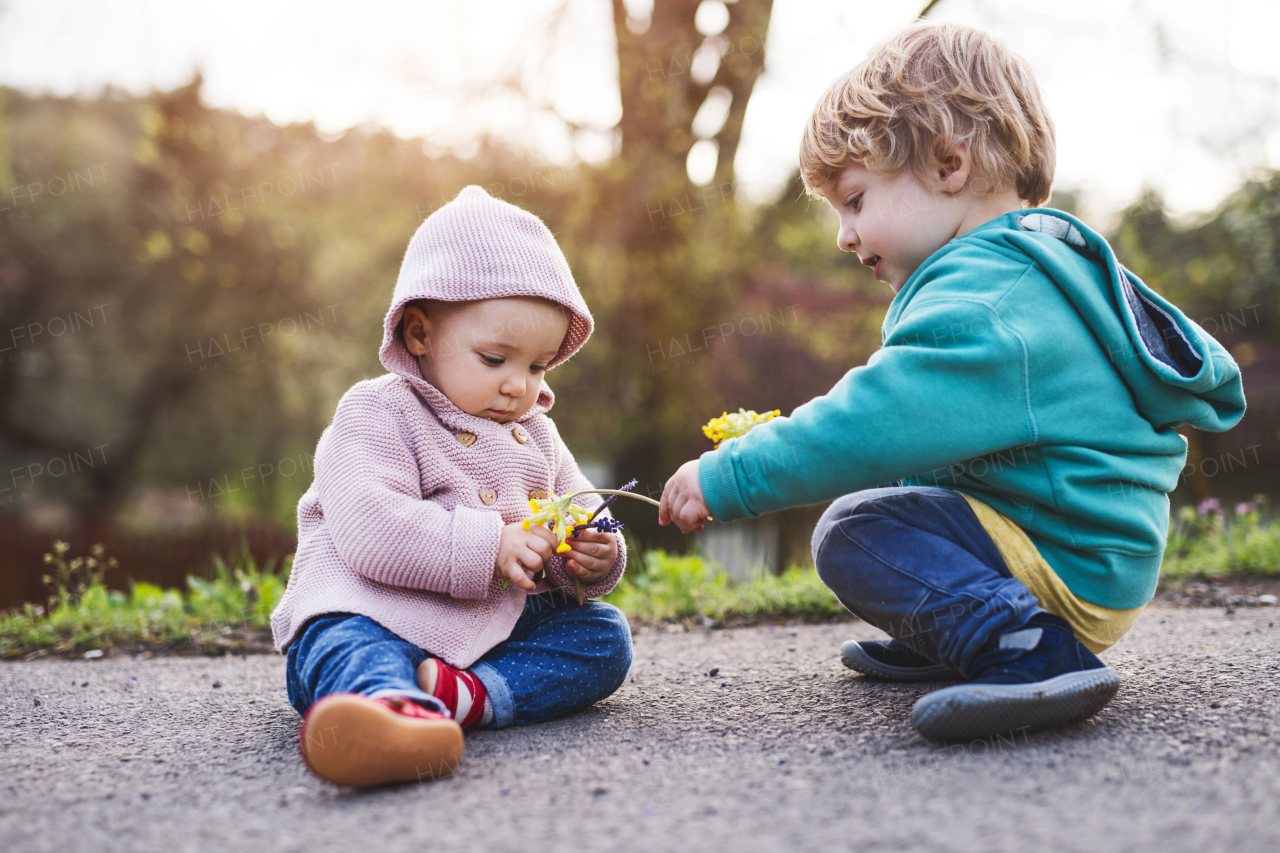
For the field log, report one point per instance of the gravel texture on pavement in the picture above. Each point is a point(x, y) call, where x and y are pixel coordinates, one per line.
point(744, 739)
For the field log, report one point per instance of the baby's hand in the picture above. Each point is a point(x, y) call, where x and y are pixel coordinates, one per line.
point(521, 554)
point(591, 556)
point(682, 500)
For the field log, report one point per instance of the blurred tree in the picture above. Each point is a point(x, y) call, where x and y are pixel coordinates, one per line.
point(1226, 263)
point(667, 72)
point(6, 176)
point(134, 247)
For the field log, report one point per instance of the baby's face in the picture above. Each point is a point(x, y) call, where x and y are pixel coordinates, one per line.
point(487, 357)
point(893, 222)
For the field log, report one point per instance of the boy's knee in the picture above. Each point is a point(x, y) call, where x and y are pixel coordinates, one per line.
point(830, 518)
point(828, 560)
point(840, 509)
point(822, 560)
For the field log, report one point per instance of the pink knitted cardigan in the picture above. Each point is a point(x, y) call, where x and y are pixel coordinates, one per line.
point(402, 521)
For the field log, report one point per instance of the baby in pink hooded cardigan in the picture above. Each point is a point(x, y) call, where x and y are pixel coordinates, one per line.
point(418, 605)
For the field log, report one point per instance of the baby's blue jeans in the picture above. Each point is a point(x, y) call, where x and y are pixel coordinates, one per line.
point(560, 658)
point(916, 563)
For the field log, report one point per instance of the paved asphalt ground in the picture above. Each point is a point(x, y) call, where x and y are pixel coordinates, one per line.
point(782, 749)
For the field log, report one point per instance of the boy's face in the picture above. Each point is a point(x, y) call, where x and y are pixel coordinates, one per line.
point(895, 222)
point(487, 357)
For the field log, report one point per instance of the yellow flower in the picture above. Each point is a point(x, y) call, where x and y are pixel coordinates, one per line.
point(731, 426)
point(560, 513)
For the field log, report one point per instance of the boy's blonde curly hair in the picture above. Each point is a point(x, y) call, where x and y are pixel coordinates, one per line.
point(921, 91)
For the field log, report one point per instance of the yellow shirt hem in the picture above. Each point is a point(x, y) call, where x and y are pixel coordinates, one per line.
point(1098, 627)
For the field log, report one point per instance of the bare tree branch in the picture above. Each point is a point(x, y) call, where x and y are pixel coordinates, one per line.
point(748, 22)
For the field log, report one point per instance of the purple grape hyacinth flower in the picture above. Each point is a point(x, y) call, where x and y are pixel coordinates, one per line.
point(606, 525)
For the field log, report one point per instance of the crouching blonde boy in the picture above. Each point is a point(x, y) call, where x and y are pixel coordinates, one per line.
point(1024, 403)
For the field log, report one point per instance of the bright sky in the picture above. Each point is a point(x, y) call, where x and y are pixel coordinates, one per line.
point(1155, 93)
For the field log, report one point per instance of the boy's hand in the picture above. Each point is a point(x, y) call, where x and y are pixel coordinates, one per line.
point(682, 500)
point(521, 554)
point(592, 555)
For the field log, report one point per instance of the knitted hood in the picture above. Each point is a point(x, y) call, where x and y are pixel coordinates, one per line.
point(477, 247)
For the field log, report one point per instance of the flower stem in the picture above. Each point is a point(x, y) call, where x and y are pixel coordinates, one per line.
point(616, 492)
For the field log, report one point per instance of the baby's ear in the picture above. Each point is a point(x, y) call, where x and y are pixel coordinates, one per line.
point(416, 331)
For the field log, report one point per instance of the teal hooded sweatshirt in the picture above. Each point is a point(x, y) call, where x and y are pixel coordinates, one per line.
point(1023, 366)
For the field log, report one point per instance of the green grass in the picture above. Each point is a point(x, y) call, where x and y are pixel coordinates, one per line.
point(1209, 541)
point(83, 614)
point(671, 587)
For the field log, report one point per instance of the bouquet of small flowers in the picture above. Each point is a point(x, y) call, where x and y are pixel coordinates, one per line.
point(566, 518)
point(731, 426)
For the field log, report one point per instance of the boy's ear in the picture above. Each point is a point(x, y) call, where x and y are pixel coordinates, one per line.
point(417, 331)
point(954, 170)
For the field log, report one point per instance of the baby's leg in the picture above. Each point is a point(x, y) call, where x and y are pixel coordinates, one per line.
point(560, 658)
point(343, 653)
point(917, 563)
point(365, 720)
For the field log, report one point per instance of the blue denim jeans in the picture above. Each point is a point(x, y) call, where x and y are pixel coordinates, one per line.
point(916, 563)
point(560, 658)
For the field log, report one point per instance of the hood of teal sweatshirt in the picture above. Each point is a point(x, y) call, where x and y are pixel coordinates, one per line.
point(1177, 372)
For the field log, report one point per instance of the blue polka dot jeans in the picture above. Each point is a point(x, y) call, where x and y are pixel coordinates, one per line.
point(561, 657)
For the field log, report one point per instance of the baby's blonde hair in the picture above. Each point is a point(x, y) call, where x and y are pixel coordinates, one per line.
point(921, 91)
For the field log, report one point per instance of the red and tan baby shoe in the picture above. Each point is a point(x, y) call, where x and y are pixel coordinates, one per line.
point(459, 689)
point(351, 739)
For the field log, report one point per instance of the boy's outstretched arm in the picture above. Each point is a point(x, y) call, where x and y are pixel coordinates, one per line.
point(928, 398)
point(682, 500)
